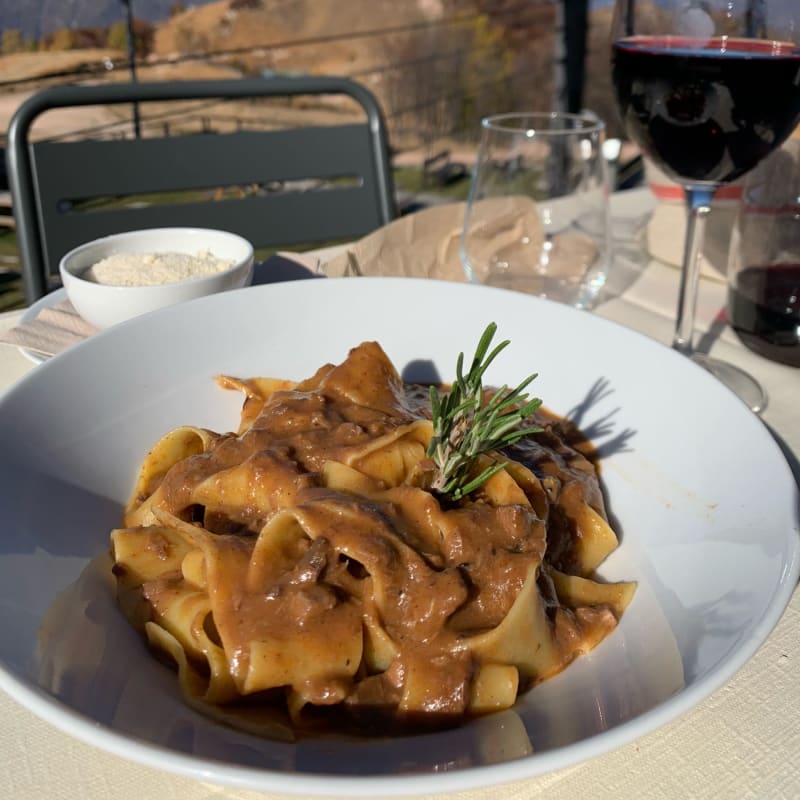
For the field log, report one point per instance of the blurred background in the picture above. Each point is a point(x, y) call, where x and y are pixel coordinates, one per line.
point(436, 66)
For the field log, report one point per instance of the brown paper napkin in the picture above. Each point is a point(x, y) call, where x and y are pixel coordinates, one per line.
point(421, 245)
point(52, 331)
point(426, 244)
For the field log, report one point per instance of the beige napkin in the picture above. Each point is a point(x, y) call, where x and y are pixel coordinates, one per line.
point(420, 245)
point(426, 244)
point(51, 331)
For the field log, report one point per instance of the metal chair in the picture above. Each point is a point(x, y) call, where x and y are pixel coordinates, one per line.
point(51, 180)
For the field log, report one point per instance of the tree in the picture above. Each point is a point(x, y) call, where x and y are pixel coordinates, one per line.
point(444, 79)
point(62, 39)
point(117, 36)
point(12, 41)
point(486, 73)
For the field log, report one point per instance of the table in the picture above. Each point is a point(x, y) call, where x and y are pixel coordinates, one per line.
point(743, 742)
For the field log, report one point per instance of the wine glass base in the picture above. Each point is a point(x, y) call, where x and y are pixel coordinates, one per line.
point(744, 386)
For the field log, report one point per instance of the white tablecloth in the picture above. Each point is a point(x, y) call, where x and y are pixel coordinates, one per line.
point(743, 742)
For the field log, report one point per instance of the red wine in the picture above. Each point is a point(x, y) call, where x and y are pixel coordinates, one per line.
point(764, 310)
point(707, 110)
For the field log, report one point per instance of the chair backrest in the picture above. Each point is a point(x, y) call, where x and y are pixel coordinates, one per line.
point(51, 181)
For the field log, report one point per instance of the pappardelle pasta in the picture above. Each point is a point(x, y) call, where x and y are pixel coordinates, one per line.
point(299, 573)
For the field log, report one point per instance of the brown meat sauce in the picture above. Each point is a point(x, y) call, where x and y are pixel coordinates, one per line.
point(438, 589)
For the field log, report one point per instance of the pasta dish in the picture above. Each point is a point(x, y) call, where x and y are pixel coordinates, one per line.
point(301, 571)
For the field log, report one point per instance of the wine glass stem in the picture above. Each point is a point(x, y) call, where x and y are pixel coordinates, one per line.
point(699, 204)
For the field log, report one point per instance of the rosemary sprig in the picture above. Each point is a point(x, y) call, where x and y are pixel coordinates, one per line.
point(466, 426)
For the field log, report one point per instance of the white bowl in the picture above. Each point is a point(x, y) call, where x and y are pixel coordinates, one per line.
point(103, 305)
point(714, 549)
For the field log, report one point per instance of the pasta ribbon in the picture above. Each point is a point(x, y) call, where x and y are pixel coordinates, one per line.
point(299, 571)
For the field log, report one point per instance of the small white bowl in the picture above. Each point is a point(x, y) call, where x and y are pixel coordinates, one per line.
point(103, 305)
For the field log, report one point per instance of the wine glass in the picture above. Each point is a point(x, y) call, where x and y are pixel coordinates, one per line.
point(707, 89)
point(537, 217)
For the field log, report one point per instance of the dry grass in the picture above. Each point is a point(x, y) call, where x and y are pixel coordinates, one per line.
point(25, 66)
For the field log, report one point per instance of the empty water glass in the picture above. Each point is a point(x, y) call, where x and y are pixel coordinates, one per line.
point(537, 218)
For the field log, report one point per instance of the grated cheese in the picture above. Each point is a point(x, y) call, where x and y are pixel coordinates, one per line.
point(152, 269)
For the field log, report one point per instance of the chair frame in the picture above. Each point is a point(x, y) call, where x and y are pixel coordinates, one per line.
point(40, 173)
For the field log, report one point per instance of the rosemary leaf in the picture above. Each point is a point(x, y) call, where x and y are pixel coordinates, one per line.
point(466, 425)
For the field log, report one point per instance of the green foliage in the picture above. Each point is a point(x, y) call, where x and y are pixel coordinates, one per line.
point(450, 77)
point(413, 180)
point(486, 73)
point(12, 41)
point(117, 36)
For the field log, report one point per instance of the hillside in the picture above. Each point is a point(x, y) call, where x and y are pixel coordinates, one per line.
point(28, 66)
point(226, 25)
point(437, 66)
point(38, 18)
